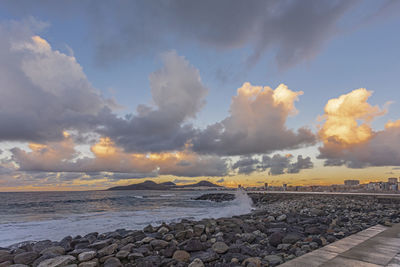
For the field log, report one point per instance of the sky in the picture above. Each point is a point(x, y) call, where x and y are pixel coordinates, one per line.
point(95, 94)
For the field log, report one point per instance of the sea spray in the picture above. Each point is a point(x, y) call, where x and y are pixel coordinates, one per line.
point(242, 204)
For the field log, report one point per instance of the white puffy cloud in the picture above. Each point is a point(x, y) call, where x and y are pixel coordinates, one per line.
point(42, 91)
point(256, 124)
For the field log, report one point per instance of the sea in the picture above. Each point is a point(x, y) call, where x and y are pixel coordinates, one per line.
point(35, 216)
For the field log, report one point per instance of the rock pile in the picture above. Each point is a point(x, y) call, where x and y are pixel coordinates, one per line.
point(277, 232)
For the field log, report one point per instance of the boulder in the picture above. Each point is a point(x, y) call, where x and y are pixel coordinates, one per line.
point(275, 239)
point(158, 244)
point(112, 262)
point(181, 255)
point(273, 260)
point(55, 250)
point(107, 250)
point(196, 263)
point(87, 255)
point(252, 261)
point(220, 247)
point(26, 257)
point(92, 263)
point(194, 245)
point(58, 261)
point(41, 245)
point(291, 238)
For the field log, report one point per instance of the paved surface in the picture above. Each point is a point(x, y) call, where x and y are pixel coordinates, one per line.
point(374, 247)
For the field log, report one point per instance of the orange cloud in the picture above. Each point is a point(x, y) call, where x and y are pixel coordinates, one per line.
point(107, 157)
point(342, 116)
point(348, 138)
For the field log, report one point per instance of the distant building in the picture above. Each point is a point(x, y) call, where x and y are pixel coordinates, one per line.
point(266, 186)
point(351, 182)
point(392, 180)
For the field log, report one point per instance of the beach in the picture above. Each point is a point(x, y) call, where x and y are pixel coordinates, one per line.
point(280, 228)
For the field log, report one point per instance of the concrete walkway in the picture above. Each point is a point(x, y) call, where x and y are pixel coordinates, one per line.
point(373, 247)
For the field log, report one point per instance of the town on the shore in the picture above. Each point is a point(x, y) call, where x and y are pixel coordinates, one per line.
point(353, 186)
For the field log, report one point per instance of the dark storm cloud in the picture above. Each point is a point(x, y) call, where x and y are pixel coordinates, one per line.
point(300, 164)
point(277, 164)
point(296, 30)
point(246, 165)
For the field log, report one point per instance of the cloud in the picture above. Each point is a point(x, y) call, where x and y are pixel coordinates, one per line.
point(348, 138)
point(294, 30)
point(277, 164)
point(43, 91)
point(178, 95)
point(220, 180)
point(107, 157)
point(246, 165)
point(256, 124)
point(183, 181)
point(300, 164)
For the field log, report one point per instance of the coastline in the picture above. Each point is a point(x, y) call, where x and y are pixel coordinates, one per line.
point(283, 227)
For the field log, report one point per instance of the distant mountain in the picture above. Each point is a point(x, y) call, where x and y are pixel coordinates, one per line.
point(150, 185)
point(201, 184)
point(169, 183)
point(146, 185)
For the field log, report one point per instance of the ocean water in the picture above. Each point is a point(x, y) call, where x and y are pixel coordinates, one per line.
point(53, 215)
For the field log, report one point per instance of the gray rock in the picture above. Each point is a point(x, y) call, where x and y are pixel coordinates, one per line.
point(122, 254)
point(248, 237)
point(198, 229)
point(252, 261)
point(168, 237)
point(107, 250)
point(194, 245)
point(58, 261)
point(135, 255)
point(112, 262)
point(196, 263)
point(26, 258)
point(87, 255)
point(55, 250)
point(163, 230)
point(181, 255)
point(281, 218)
point(206, 256)
point(273, 260)
point(158, 244)
point(92, 263)
point(5, 263)
point(291, 238)
point(41, 245)
point(6, 256)
point(220, 247)
point(100, 244)
point(275, 239)
point(284, 247)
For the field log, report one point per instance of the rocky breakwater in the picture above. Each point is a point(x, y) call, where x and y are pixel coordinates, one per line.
point(279, 231)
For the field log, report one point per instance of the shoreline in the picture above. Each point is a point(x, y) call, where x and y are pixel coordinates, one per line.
point(283, 227)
